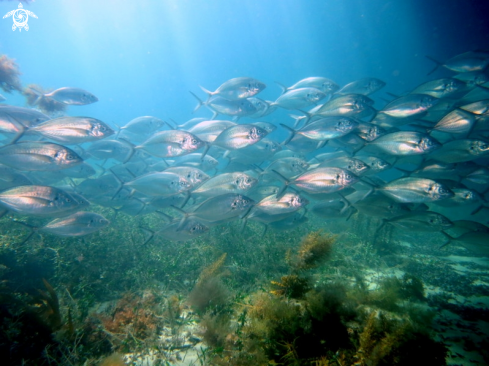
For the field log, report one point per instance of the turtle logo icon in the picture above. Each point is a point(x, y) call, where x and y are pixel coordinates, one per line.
point(20, 16)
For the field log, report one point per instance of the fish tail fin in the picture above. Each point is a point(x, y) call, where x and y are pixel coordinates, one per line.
point(151, 234)
point(298, 119)
point(184, 218)
point(384, 221)
point(200, 103)
point(132, 152)
point(173, 126)
point(38, 94)
point(121, 184)
point(449, 239)
point(208, 92)
point(32, 228)
point(119, 129)
point(281, 86)
point(292, 133)
point(206, 150)
point(281, 191)
point(438, 64)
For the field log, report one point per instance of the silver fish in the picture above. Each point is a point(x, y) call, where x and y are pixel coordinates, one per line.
point(16, 119)
point(356, 166)
point(73, 130)
point(77, 224)
point(345, 105)
point(237, 88)
point(42, 156)
point(194, 176)
point(35, 200)
point(272, 206)
point(461, 150)
point(425, 221)
point(144, 125)
point(465, 62)
point(239, 136)
point(324, 129)
point(415, 190)
point(440, 88)
point(299, 98)
point(475, 242)
point(159, 184)
point(364, 86)
point(208, 130)
point(409, 105)
point(72, 96)
point(404, 143)
point(324, 84)
point(110, 149)
point(226, 183)
point(219, 105)
point(166, 144)
point(456, 122)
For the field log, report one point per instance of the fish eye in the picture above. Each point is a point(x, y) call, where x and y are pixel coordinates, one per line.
point(103, 129)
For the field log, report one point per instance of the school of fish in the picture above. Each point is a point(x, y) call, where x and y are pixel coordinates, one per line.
point(403, 161)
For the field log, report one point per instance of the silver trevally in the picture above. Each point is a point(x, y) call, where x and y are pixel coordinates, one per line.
point(159, 184)
point(299, 98)
point(110, 149)
point(208, 130)
point(461, 150)
point(409, 105)
point(77, 224)
point(424, 221)
point(144, 125)
point(194, 176)
point(166, 144)
point(71, 96)
point(326, 85)
point(324, 129)
point(271, 206)
point(403, 143)
point(15, 119)
point(219, 105)
point(456, 122)
point(440, 88)
point(220, 209)
point(37, 200)
point(465, 62)
point(37, 155)
point(226, 183)
point(415, 190)
point(73, 130)
point(239, 136)
point(364, 86)
point(237, 88)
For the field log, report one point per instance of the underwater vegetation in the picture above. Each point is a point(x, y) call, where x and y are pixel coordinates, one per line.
point(9, 75)
point(35, 97)
point(335, 323)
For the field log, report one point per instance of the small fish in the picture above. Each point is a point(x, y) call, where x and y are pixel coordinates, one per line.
point(219, 209)
point(226, 183)
point(237, 88)
point(37, 155)
point(475, 242)
point(272, 209)
point(72, 96)
point(405, 143)
point(440, 88)
point(368, 131)
point(345, 105)
point(364, 86)
point(461, 150)
point(378, 205)
point(239, 136)
point(425, 221)
point(166, 144)
point(73, 130)
point(465, 62)
point(456, 122)
point(356, 166)
point(194, 176)
point(219, 105)
point(190, 230)
point(299, 98)
point(196, 160)
point(35, 200)
point(415, 190)
point(321, 180)
point(324, 129)
point(326, 85)
point(144, 125)
point(480, 107)
point(77, 224)
point(209, 130)
point(110, 149)
point(409, 105)
point(375, 164)
point(16, 119)
point(159, 184)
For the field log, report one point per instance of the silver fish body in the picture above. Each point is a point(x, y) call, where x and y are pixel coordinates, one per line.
point(238, 88)
point(409, 105)
point(77, 224)
point(416, 190)
point(364, 86)
point(404, 143)
point(299, 98)
point(73, 130)
point(165, 144)
point(461, 150)
point(325, 180)
point(144, 125)
point(239, 136)
point(35, 200)
point(72, 96)
point(37, 155)
point(226, 183)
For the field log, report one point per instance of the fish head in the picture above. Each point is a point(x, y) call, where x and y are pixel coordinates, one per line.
point(439, 221)
point(478, 147)
point(88, 98)
point(298, 201)
point(379, 164)
point(241, 203)
point(196, 228)
point(254, 87)
point(345, 125)
point(357, 166)
point(100, 129)
point(427, 101)
point(98, 221)
point(315, 95)
point(257, 133)
point(428, 144)
point(346, 178)
point(245, 182)
point(67, 157)
point(374, 85)
point(246, 106)
point(191, 142)
point(439, 191)
point(373, 133)
point(329, 87)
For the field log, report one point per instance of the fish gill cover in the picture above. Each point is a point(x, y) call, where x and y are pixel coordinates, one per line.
point(244, 183)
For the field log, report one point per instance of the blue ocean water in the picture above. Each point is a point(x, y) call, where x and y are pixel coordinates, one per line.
point(142, 57)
